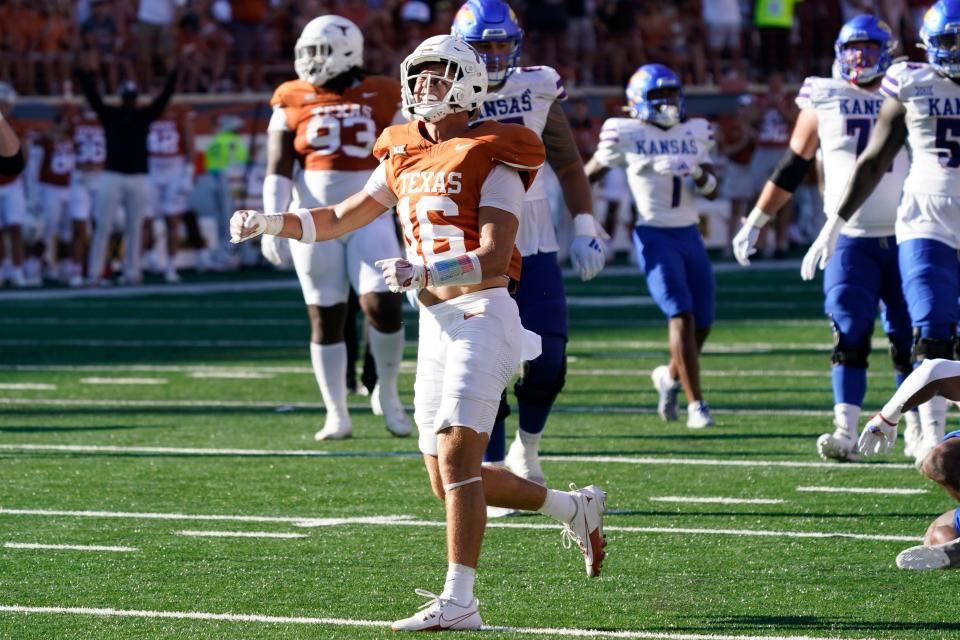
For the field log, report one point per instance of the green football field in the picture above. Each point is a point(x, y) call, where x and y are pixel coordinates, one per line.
point(160, 480)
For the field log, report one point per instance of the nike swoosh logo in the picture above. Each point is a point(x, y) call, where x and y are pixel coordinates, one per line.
point(449, 622)
point(369, 95)
point(460, 147)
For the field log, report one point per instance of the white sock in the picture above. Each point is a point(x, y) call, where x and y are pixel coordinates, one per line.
point(529, 441)
point(933, 417)
point(847, 417)
point(459, 584)
point(330, 368)
point(387, 352)
point(559, 505)
point(928, 371)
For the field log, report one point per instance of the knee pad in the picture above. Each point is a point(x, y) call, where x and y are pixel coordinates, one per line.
point(902, 360)
point(539, 394)
point(503, 411)
point(850, 356)
point(933, 348)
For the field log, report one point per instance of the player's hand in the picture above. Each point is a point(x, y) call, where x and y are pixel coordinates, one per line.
point(878, 436)
point(270, 248)
point(402, 275)
point(586, 251)
point(822, 248)
point(744, 243)
point(671, 166)
point(246, 224)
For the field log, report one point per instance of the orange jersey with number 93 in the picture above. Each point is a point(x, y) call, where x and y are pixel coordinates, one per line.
point(333, 131)
point(438, 184)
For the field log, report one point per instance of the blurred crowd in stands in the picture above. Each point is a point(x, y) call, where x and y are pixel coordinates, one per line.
point(247, 45)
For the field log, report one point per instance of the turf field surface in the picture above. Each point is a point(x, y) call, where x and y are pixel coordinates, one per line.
point(161, 480)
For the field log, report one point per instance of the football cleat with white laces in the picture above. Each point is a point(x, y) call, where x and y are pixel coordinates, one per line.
point(394, 416)
point(838, 445)
point(924, 557)
point(335, 428)
point(667, 389)
point(698, 415)
point(441, 614)
point(525, 463)
point(585, 529)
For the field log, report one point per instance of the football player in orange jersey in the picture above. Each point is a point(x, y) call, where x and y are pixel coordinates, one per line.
point(458, 191)
point(326, 123)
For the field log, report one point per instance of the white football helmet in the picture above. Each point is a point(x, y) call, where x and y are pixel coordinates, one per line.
point(327, 47)
point(465, 71)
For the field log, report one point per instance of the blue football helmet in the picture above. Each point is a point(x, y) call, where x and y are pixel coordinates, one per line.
point(491, 21)
point(662, 110)
point(940, 34)
point(856, 64)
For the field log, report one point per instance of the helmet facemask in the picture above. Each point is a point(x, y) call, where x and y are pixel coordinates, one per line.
point(443, 75)
point(943, 52)
point(499, 65)
point(862, 62)
point(662, 107)
point(328, 47)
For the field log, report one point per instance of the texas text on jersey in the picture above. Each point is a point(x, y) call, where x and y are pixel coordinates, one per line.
point(438, 185)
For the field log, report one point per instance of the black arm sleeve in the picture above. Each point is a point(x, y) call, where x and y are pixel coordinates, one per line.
point(12, 165)
point(791, 171)
point(887, 139)
point(159, 104)
point(89, 87)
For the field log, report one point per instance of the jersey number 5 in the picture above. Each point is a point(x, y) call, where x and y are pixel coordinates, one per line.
point(419, 229)
point(326, 135)
point(948, 142)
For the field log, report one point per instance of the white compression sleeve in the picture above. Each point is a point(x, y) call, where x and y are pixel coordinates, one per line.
point(929, 371)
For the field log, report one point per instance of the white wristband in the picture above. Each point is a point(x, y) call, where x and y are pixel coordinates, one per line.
point(583, 225)
point(308, 230)
point(464, 269)
point(758, 218)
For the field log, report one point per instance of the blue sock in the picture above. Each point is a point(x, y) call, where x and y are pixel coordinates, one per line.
point(849, 384)
point(497, 447)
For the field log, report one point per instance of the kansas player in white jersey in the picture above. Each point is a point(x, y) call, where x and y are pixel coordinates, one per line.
point(667, 158)
point(531, 96)
point(837, 115)
point(921, 110)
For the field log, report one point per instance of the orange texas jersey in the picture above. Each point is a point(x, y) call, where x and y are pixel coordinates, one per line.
point(438, 185)
point(336, 132)
point(89, 140)
point(167, 137)
point(59, 158)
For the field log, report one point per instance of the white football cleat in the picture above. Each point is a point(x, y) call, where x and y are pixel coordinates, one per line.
point(525, 463)
point(394, 416)
point(667, 389)
point(838, 446)
point(912, 433)
point(698, 415)
point(502, 512)
point(586, 527)
point(441, 614)
point(924, 557)
point(335, 428)
point(170, 276)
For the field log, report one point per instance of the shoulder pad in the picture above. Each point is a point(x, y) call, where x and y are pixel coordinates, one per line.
point(291, 93)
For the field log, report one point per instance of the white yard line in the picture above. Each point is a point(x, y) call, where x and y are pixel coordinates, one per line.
point(315, 453)
point(123, 381)
point(231, 375)
point(27, 386)
point(347, 622)
point(197, 288)
point(715, 500)
point(157, 322)
point(240, 534)
point(887, 491)
point(67, 547)
point(264, 404)
point(408, 521)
